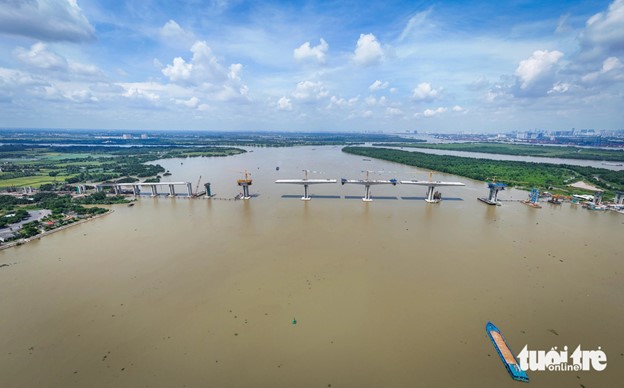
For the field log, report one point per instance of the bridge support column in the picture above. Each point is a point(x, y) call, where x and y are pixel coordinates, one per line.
point(189, 188)
point(598, 197)
point(367, 196)
point(246, 192)
point(208, 192)
point(619, 197)
point(154, 191)
point(430, 194)
point(306, 196)
point(171, 191)
point(136, 190)
point(117, 189)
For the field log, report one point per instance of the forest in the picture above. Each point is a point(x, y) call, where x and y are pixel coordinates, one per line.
point(566, 152)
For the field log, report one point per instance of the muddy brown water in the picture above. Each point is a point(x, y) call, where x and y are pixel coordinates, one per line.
point(392, 293)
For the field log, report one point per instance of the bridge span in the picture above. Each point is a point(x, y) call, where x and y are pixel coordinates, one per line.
point(136, 187)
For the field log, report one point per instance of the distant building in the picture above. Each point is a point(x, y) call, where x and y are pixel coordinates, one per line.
point(144, 136)
point(126, 136)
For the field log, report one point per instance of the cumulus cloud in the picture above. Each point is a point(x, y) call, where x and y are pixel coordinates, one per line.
point(203, 67)
point(434, 112)
point(46, 20)
point(204, 71)
point(377, 85)
point(536, 73)
point(284, 104)
point(612, 70)
point(368, 51)
point(341, 102)
point(317, 53)
point(141, 94)
point(603, 35)
point(309, 91)
point(41, 59)
point(458, 108)
point(425, 92)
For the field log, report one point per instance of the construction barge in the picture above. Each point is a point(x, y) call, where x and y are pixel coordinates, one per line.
point(505, 353)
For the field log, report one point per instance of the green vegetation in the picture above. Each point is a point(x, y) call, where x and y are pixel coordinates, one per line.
point(522, 150)
point(55, 166)
point(100, 198)
point(523, 174)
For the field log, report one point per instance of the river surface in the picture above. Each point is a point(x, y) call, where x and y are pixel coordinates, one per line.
point(279, 292)
point(534, 159)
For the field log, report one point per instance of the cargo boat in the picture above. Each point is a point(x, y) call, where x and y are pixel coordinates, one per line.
point(505, 353)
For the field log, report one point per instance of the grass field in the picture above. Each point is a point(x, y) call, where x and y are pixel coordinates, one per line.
point(34, 181)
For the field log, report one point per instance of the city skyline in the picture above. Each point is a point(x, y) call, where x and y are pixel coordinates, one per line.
point(445, 66)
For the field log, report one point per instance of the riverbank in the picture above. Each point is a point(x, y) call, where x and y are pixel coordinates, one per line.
point(48, 232)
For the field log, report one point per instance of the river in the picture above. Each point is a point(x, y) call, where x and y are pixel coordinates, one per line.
point(336, 292)
point(535, 159)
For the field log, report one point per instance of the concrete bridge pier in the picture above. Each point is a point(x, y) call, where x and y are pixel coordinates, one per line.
point(367, 196)
point(190, 189)
point(136, 190)
point(306, 195)
point(598, 197)
point(619, 197)
point(430, 193)
point(171, 191)
point(154, 191)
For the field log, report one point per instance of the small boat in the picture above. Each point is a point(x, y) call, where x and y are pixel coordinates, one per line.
point(131, 204)
point(612, 164)
point(277, 168)
point(505, 353)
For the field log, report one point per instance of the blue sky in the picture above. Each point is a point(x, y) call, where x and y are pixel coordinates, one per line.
point(438, 66)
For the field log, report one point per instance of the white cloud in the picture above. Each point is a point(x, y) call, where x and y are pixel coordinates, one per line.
point(378, 85)
point(203, 67)
point(172, 33)
point(205, 72)
point(284, 104)
point(539, 66)
point(604, 33)
point(341, 102)
point(536, 75)
point(458, 108)
point(559, 87)
point(309, 90)
point(40, 58)
point(137, 93)
point(179, 71)
point(47, 20)
point(394, 111)
point(368, 51)
point(424, 92)
point(434, 112)
point(612, 70)
point(418, 24)
point(192, 102)
point(305, 52)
